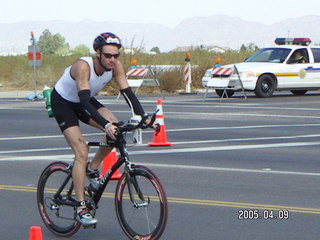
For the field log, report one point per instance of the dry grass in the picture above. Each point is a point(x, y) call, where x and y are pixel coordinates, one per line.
point(16, 74)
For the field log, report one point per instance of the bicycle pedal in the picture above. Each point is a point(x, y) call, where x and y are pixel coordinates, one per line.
point(89, 226)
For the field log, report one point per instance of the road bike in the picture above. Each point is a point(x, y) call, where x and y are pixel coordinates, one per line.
point(140, 200)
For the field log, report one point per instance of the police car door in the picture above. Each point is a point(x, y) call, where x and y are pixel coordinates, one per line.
point(315, 65)
point(298, 74)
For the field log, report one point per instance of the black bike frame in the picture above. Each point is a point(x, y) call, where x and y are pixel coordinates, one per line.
point(121, 146)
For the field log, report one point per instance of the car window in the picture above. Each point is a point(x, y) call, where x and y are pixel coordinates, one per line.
point(274, 55)
point(316, 54)
point(297, 54)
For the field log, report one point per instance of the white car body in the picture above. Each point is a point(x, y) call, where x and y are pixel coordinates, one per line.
point(277, 74)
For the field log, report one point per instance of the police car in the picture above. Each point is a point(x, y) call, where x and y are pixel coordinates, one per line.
point(292, 64)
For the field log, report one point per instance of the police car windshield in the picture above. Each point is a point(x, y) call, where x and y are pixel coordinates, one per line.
point(273, 55)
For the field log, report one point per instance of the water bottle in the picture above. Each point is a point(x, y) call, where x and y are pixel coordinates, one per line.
point(137, 134)
point(47, 97)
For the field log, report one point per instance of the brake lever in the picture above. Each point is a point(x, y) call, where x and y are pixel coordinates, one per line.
point(153, 118)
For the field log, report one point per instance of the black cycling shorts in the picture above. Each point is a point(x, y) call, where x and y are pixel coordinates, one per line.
point(68, 114)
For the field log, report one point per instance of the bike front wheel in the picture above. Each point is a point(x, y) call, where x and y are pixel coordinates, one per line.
point(58, 218)
point(141, 204)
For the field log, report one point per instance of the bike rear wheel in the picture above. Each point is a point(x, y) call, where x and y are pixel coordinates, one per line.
point(58, 218)
point(146, 216)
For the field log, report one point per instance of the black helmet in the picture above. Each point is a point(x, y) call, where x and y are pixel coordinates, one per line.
point(106, 38)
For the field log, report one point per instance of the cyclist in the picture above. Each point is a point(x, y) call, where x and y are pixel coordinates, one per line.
point(73, 100)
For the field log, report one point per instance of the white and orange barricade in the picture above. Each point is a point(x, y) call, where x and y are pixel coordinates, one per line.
point(137, 72)
point(220, 80)
point(222, 71)
point(139, 77)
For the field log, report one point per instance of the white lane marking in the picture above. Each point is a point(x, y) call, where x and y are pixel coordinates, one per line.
point(179, 103)
point(193, 167)
point(69, 158)
point(248, 139)
point(227, 148)
point(20, 108)
point(62, 157)
point(35, 150)
point(175, 113)
point(248, 106)
point(192, 150)
point(243, 114)
point(174, 130)
point(175, 143)
point(45, 137)
point(216, 104)
point(242, 127)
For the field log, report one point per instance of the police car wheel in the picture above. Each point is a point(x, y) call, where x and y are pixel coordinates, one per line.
point(265, 86)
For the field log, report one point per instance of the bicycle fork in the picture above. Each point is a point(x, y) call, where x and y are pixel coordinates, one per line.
point(134, 189)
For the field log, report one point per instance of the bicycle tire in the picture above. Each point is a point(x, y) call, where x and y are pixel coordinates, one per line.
point(147, 222)
point(59, 219)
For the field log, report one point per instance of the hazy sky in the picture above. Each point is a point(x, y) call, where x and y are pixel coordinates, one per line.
point(165, 12)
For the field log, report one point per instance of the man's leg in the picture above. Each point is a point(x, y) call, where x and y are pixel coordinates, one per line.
point(77, 142)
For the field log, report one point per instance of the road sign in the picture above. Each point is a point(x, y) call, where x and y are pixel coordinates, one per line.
point(35, 60)
point(34, 55)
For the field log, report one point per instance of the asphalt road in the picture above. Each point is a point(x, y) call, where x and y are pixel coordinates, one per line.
point(231, 160)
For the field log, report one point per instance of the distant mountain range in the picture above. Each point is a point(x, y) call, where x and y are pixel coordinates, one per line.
point(215, 30)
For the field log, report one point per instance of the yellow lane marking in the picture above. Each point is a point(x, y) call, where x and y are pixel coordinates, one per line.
point(194, 201)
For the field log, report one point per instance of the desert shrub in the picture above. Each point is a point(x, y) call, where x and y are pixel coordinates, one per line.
point(170, 81)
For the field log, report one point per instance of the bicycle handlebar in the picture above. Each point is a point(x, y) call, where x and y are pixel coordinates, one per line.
point(121, 127)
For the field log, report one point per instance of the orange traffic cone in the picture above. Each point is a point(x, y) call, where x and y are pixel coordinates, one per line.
point(160, 138)
point(107, 162)
point(35, 233)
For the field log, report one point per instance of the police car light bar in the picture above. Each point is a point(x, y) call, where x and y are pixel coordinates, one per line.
point(296, 41)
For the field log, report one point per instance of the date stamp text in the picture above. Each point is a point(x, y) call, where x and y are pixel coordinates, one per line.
point(255, 214)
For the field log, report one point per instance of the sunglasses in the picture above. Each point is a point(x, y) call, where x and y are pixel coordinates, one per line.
point(109, 55)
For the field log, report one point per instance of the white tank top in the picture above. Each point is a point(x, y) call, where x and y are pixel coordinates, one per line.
point(67, 88)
